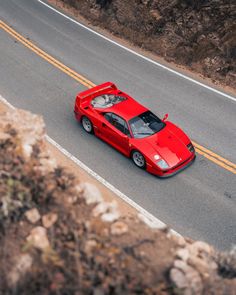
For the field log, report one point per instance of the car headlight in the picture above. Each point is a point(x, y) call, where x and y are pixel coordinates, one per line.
point(190, 147)
point(162, 164)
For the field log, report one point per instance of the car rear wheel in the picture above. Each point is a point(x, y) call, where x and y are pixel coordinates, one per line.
point(138, 159)
point(87, 124)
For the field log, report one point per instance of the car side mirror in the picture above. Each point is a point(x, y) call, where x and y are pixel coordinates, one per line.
point(165, 117)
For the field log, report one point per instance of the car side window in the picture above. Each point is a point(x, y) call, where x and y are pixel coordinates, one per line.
point(117, 122)
point(126, 129)
point(108, 117)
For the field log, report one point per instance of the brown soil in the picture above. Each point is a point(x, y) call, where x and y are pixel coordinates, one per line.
point(197, 37)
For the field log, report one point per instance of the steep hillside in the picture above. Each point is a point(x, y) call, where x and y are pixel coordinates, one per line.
point(200, 34)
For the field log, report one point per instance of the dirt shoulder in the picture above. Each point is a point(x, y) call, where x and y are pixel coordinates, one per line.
point(122, 22)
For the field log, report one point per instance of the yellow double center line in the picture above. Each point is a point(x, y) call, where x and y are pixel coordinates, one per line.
point(46, 56)
point(215, 158)
point(226, 164)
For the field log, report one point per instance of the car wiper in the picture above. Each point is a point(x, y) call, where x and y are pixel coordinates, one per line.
point(143, 133)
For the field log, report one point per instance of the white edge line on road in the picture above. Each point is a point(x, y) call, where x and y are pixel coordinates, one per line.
point(138, 54)
point(147, 217)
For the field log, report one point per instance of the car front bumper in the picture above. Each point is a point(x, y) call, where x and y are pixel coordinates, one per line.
point(171, 172)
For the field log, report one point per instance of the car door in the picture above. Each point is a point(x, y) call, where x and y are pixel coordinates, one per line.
point(115, 131)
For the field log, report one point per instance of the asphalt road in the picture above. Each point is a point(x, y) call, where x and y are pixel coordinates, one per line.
point(200, 202)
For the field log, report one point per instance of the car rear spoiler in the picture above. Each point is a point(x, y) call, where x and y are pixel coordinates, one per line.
point(97, 90)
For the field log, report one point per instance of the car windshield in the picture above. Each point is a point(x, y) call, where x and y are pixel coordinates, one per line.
point(145, 125)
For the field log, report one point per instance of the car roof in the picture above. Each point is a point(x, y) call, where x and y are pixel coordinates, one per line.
point(126, 109)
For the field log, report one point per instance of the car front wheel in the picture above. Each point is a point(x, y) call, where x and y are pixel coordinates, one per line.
point(138, 159)
point(87, 124)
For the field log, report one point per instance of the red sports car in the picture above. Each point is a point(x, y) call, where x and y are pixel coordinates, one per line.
point(153, 144)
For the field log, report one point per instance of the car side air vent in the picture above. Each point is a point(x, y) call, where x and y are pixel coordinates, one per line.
point(85, 108)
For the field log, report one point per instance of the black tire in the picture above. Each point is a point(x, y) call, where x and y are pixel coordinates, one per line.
point(87, 124)
point(138, 159)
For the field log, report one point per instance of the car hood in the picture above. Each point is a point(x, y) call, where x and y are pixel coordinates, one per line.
point(167, 144)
